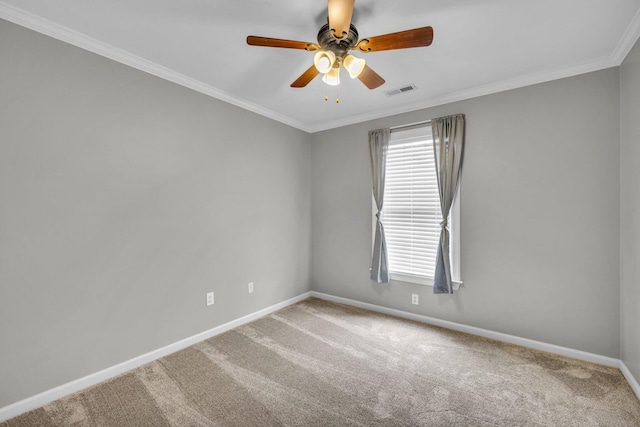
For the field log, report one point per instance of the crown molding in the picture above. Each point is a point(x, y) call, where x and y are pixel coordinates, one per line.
point(474, 92)
point(49, 28)
point(628, 40)
point(67, 35)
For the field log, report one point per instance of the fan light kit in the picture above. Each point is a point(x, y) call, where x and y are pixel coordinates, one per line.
point(336, 39)
point(332, 77)
point(353, 65)
point(324, 60)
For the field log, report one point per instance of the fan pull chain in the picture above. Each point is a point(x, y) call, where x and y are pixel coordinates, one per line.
point(326, 96)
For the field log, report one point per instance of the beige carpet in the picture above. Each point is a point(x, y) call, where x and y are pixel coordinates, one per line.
point(318, 363)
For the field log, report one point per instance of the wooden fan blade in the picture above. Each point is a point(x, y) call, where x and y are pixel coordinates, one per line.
point(417, 37)
point(340, 12)
point(306, 77)
point(370, 78)
point(288, 44)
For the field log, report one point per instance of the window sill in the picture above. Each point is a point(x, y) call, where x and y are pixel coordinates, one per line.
point(419, 280)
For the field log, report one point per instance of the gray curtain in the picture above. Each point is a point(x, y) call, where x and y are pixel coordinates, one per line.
point(378, 147)
point(448, 146)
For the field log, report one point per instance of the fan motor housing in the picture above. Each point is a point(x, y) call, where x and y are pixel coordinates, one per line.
point(339, 46)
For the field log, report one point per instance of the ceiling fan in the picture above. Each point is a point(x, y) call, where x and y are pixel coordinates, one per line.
point(337, 38)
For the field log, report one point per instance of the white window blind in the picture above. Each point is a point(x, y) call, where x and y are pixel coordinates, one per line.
point(411, 211)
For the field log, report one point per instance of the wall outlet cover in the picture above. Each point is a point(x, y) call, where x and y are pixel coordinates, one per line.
point(209, 298)
point(414, 299)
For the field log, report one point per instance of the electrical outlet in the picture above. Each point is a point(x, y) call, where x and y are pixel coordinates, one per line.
point(250, 287)
point(209, 298)
point(414, 299)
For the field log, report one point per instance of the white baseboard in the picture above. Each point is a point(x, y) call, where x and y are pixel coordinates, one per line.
point(512, 339)
point(48, 396)
point(56, 393)
point(630, 378)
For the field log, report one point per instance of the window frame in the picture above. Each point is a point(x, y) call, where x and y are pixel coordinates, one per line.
point(412, 131)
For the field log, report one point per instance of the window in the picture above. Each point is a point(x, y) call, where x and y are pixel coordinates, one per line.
point(411, 211)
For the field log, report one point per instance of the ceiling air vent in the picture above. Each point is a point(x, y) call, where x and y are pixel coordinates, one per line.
point(401, 90)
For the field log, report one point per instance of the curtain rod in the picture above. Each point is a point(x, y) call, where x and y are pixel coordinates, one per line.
point(409, 126)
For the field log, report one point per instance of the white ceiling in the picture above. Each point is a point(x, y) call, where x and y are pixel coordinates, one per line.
point(479, 47)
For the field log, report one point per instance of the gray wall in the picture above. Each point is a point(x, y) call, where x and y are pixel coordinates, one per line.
point(123, 200)
point(630, 210)
point(539, 212)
